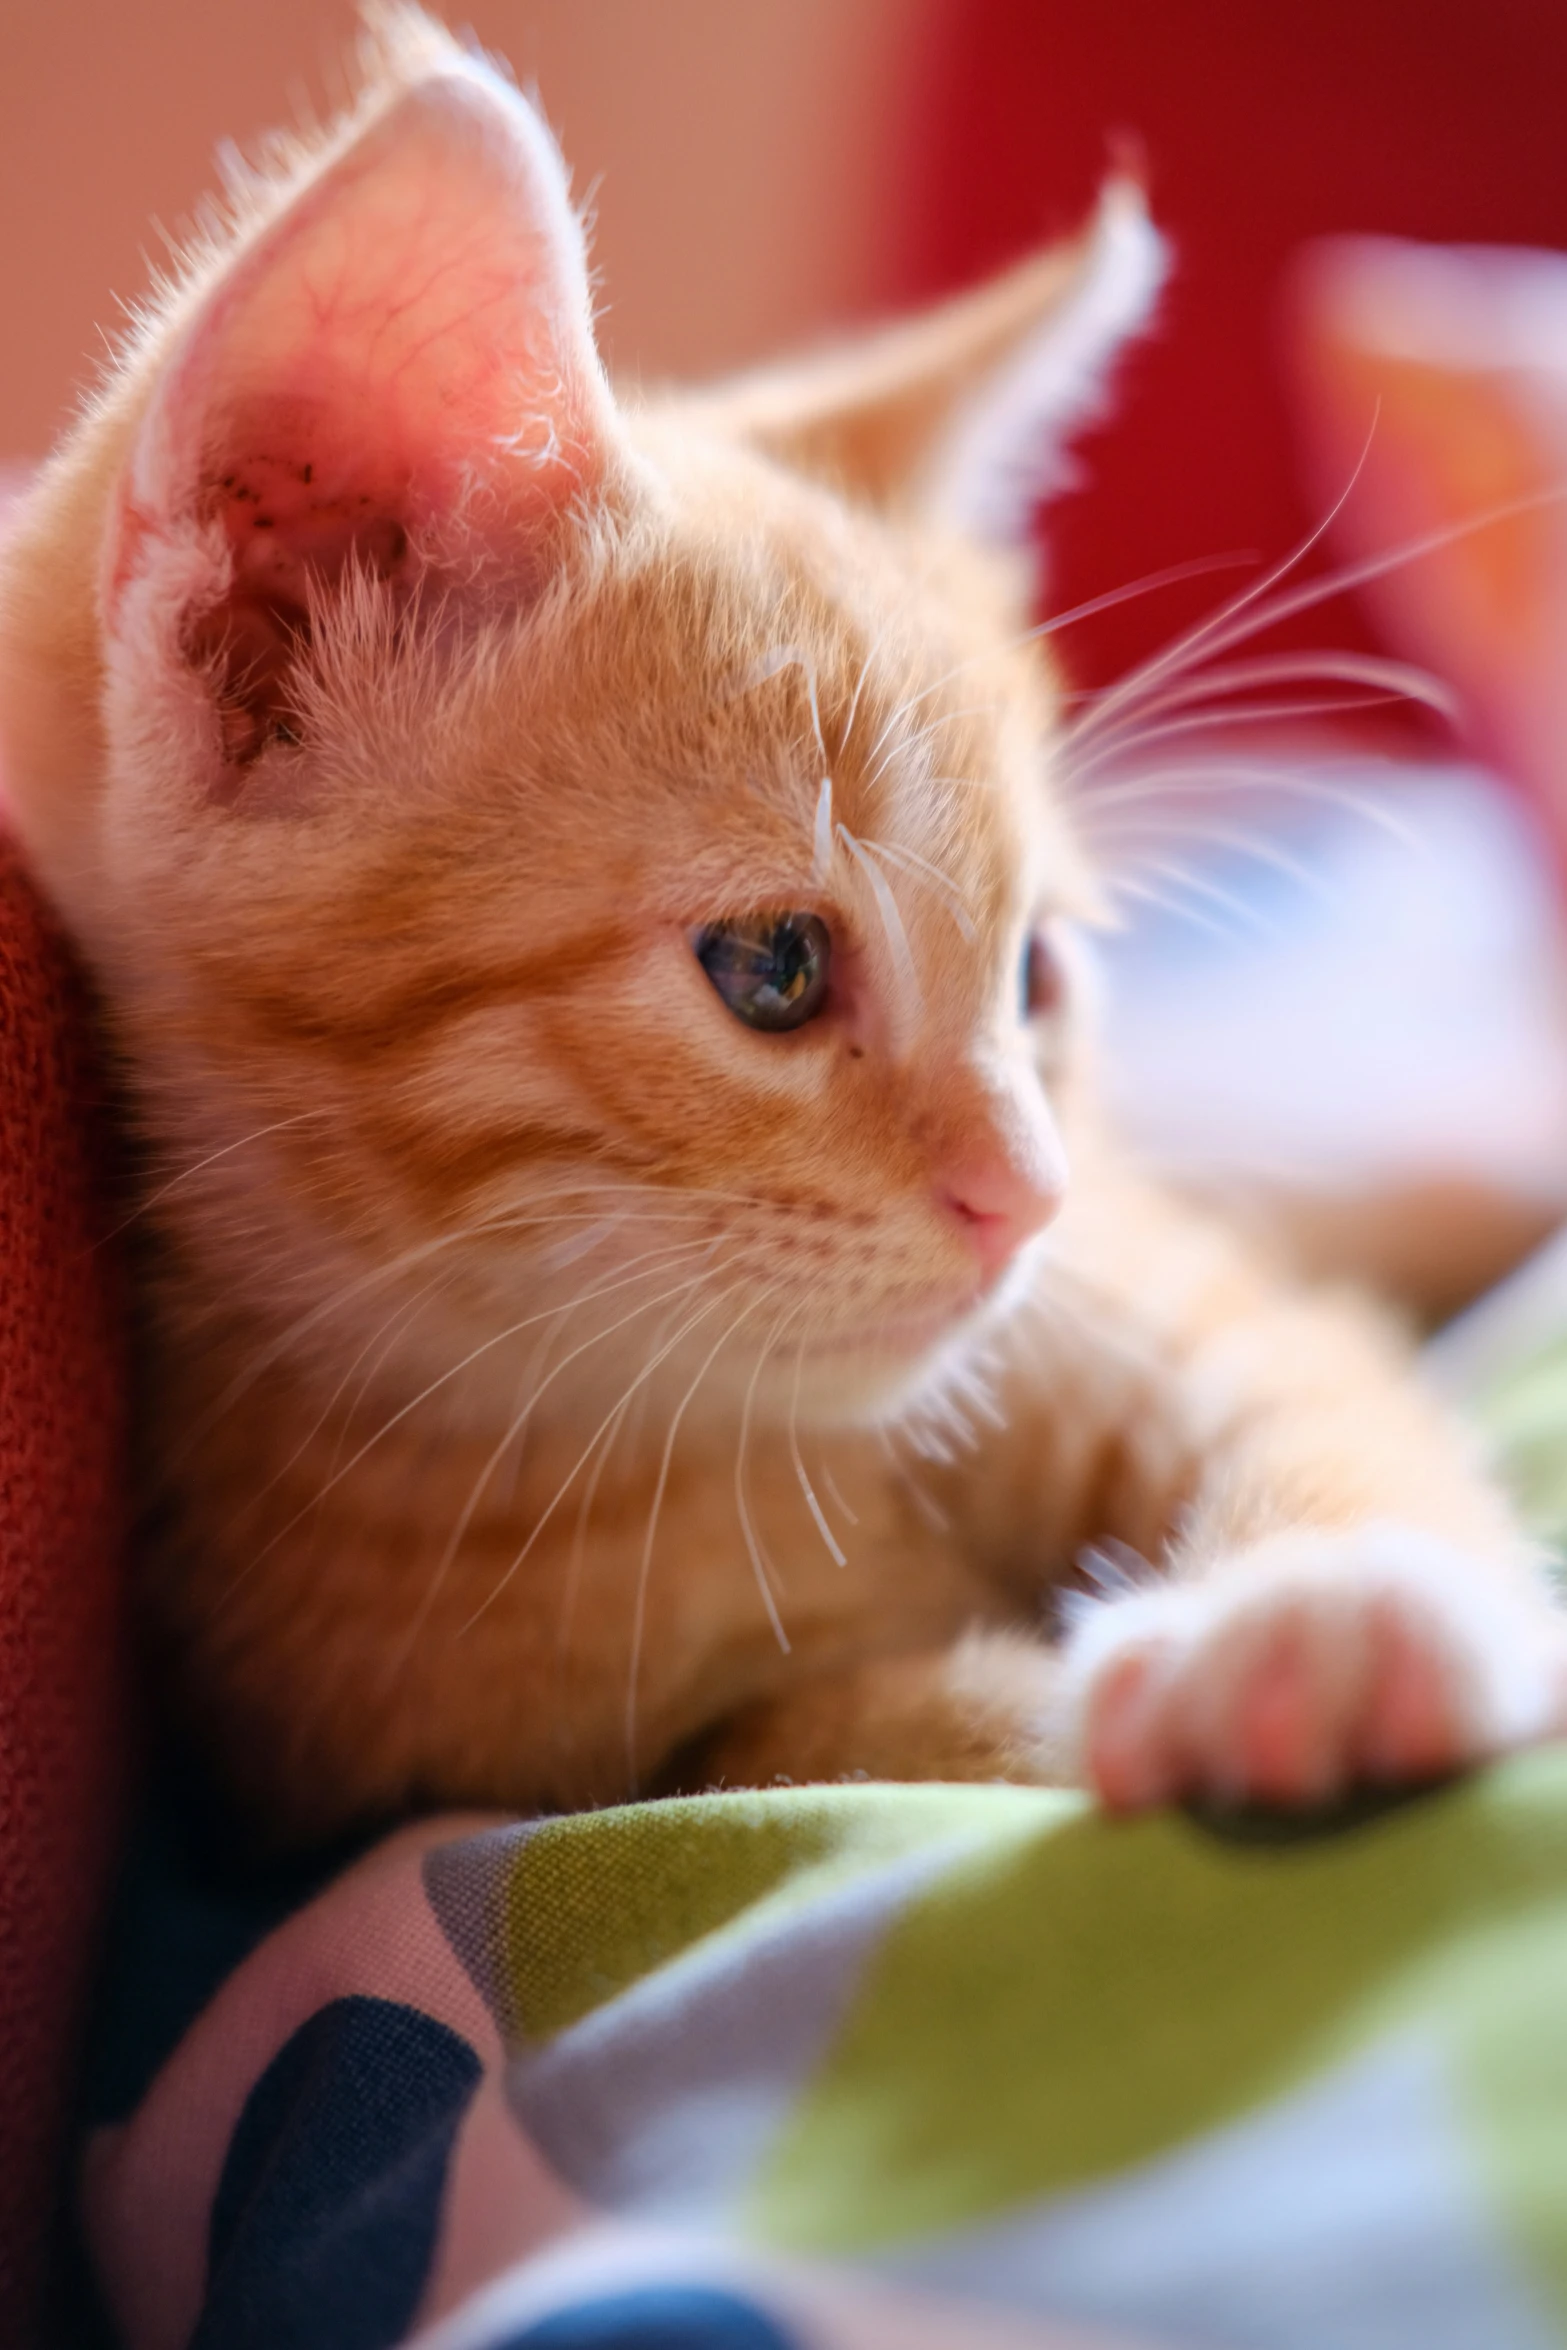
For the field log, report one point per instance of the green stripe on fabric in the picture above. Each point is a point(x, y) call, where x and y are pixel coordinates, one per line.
point(1083, 1994)
point(593, 1903)
point(1501, 1993)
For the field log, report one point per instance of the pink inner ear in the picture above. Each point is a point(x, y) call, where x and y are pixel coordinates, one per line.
point(290, 520)
point(288, 515)
point(400, 370)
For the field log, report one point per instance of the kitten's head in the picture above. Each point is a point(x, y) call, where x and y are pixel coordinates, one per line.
point(540, 849)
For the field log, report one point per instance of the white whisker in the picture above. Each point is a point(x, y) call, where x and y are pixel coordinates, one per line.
point(1234, 626)
point(518, 1424)
point(1397, 679)
point(834, 1495)
point(1145, 894)
point(262, 1361)
point(1154, 580)
point(1182, 877)
point(431, 1387)
point(812, 1504)
point(585, 1455)
point(1245, 844)
point(645, 1565)
point(392, 1324)
point(891, 918)
point(874, 647)
point(908, 744)
point(821, 859)
point(920, 868)
point(759, 1563)
point(1123, 754)
point(186, 1174)
point(579, 1537)
point(571, 1252)
point(498, 1224)
point(1282, 782)
point(1213, 634)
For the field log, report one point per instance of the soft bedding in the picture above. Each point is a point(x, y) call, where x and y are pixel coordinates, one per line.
point(821, 2068)
point(874, 2066)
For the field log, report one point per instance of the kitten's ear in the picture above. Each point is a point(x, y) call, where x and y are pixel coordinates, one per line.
point(397, 372)
point(964, 412)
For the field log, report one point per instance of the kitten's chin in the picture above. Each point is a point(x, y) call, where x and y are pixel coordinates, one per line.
point(876, 1368)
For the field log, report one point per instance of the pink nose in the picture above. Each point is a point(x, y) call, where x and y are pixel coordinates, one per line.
point(1001, 1202)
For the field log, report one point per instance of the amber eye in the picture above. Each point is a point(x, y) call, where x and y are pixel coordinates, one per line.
point(1040, 980)
point(771, 971)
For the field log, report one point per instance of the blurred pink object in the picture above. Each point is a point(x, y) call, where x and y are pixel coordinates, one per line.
point(1441, 372)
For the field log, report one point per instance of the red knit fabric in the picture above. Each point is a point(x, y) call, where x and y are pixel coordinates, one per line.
point(62, 1738)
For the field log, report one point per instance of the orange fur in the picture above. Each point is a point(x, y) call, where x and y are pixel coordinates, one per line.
point(553, 1387)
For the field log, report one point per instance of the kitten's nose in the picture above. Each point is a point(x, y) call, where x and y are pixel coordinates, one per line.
point(1002, 1197)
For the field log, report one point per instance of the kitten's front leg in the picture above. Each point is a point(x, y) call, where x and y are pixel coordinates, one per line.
point(990, 1706)
point(1346, 1601)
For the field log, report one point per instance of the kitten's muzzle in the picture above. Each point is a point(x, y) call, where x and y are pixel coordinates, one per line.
point(1004, 1192)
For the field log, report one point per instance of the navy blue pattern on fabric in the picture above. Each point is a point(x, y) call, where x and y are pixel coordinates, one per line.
point(326, 2215)
point(655, 2317)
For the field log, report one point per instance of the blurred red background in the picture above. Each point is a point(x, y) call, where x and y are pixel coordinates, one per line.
point(764, 174)
point(1261, 126)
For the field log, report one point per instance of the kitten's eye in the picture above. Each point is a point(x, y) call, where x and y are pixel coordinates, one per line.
point(1040, 979)
point(771, 972)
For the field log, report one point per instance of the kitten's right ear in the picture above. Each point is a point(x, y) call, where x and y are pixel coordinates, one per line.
point(395, 373)
point(962, 413)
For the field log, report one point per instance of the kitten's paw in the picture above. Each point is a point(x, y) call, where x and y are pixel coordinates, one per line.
point(1310, 1664)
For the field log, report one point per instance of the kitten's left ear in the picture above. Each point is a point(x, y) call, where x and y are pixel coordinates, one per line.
point(963, 413)
point(396, 372)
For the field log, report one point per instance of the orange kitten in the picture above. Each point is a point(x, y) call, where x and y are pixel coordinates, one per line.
point(581, 895)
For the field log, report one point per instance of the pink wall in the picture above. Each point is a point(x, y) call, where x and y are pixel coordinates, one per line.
point(743, 152)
